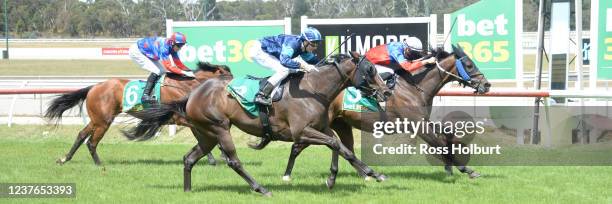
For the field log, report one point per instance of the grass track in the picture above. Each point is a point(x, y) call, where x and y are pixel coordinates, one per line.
point(69, 68)
point(151, 172)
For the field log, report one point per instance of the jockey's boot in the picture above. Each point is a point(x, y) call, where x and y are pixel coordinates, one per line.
point(147, 99)
point(263, 96)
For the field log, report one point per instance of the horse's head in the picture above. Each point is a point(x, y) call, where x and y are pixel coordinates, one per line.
point(366, 79)
point(464, 70)
point(207, 70)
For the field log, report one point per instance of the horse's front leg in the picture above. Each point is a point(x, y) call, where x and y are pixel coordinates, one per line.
point(296, 149)
point(312, 136)
point(448, 159)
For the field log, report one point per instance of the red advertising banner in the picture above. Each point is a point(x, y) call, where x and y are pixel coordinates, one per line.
point(115, 51)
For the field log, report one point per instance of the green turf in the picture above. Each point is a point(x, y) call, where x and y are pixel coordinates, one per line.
point(151, 172)
point(66, 44)
point(69, 68)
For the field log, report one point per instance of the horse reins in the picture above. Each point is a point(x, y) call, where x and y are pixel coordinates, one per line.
point(180, 88)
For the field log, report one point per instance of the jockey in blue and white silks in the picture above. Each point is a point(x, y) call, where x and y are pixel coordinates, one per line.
point(279, 53)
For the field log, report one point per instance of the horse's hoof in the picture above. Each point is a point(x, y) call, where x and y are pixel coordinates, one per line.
point(188, 189)
point(381, 178)
point(449, 172)
point(212, 162)
point(61, 161)
point(287, 178)
point(474, 175)
point(368, 178)
point(330, 183)
point(263, 191)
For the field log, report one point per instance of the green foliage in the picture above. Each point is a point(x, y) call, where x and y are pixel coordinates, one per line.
point(130, 18)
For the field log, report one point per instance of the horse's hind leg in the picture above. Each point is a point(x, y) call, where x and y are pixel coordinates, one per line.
point(205, 145)
point(296, 149)
point(345, 133)
point(83, 134)
point(211, 159)
point(92, 143)
point(192, 157)
point(227, 146)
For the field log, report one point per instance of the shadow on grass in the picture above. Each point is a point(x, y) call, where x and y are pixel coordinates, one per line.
point(433, 176)
point(339, 188)
point(202, 162)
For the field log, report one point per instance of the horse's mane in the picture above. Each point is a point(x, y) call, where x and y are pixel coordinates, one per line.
point(440, 53)
point(338, 58)
point(205, 66)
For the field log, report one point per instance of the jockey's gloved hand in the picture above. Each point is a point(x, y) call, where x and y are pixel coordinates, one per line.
point(188, 74)
point(431, 60)
point(309, 68)
point(302, 64)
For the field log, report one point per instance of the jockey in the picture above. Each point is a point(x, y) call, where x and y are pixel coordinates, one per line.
point(153, 54)
point(278, 52)
point(395, 55)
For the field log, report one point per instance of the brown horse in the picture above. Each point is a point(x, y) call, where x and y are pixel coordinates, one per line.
point(301, 116)
point(104, 103)
point(406, 95)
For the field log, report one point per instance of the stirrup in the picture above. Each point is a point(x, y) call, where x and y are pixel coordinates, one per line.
point(148, 101)
point(262, 100)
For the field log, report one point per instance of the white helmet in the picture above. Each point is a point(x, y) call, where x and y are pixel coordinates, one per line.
point(414, 43)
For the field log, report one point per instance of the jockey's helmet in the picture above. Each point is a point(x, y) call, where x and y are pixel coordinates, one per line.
point(177, 38)
point(311, 34)
point(414, 44)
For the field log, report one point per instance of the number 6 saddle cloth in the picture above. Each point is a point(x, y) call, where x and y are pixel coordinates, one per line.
point(132, 92)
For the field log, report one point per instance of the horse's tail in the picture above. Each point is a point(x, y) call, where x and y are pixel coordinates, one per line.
point(262, 144)
point(154, 118)
point(64, 102)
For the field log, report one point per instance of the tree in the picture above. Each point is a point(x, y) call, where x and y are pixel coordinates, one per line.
point(135, 18)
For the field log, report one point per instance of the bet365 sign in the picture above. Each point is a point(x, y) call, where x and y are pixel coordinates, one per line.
point(487, 31)
point(226, 43)
point(602, 29)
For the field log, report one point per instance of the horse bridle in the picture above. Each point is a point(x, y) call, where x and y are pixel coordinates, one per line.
point(360, 77)
point(464, 78)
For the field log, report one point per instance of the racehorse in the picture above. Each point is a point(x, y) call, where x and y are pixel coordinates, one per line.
point(301, 116)
point(104, 103)
point(413, 93)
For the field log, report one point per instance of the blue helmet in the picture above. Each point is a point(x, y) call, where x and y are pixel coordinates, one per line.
point(311, 34)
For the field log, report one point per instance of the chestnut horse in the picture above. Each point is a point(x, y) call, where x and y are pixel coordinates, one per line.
point(301, 116)
point(104, 103)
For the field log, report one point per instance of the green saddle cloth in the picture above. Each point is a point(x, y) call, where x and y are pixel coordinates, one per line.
point(244, 90)
point(353, 101)
point(132, 93)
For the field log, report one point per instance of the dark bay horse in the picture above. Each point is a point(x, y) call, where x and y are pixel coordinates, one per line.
point(301, 116)
point(104, 103)
point(406, 96)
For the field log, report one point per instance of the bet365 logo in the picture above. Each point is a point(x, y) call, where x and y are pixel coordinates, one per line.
point(331, 43)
